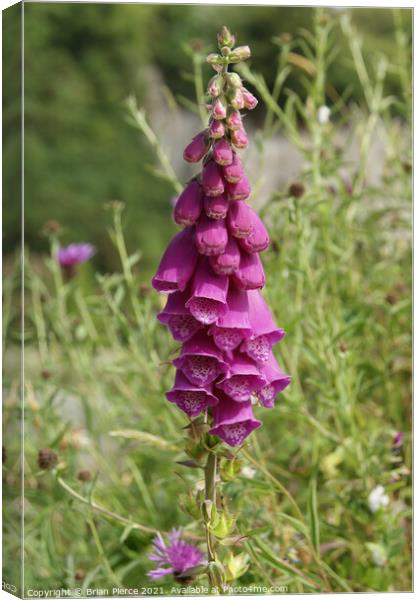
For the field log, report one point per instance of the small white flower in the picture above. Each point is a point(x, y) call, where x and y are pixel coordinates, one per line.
point(378, 554)
point(323, 115)
point(248, 472)
point(378, 499)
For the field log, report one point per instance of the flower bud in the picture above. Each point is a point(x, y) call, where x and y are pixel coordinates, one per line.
point(197, 149)
point(296, 189)
point(212, 181)
point(219, 109)
point(223, 527)
point(214, 59)
point(250, 275)
point(229, 261)
point(222, 152)
point(216, 573)
point(215, 86)
point(189, 205)
point(236, 99)
point(234, 172)
point(240, 190)
point(217, 129)
point(250, 102)
point(240, 53)
point(225, 38)
point(211, 236)
point(234, 120)
point(240, 219)
point(239, 138)
point(234, 80)
point(258, 240)
point(216, 207)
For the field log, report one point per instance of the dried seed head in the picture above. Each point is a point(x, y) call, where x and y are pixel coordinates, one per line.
point(296, 189)
point(47, 458)
point(84, 475)
point(79, 574)
point(51, 228)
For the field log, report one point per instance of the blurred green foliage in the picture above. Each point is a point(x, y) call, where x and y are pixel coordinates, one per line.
point(82, 61)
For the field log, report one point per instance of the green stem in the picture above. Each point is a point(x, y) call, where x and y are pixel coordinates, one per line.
point(104, 511)
point(211, 494)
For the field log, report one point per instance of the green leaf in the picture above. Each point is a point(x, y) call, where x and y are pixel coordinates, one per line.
point(298, 525)
point(314, 517)
point(267, 554)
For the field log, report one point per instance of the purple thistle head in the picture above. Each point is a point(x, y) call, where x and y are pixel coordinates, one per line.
point(175, 558)
point(69, 257)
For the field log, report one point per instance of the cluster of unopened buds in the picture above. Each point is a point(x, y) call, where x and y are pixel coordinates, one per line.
point(213, 273)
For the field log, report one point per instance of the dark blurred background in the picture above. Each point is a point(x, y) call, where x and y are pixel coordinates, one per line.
point(82, 61)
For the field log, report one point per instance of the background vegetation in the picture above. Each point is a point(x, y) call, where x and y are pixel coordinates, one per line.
point(338, 280)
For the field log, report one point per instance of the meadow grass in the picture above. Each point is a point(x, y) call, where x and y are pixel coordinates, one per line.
point(97, 365)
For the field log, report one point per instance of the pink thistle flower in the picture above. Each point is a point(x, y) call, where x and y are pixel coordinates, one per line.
point(240, 190)
point(197, 149)
point(239, 138)
point(216, 207)
point(233, 421)
point(217, 129)
point(212, 181)
point(234, 120)
point(189, 397)
point(250, 102)
point(175, 558)
point(219, 109)
point(222, 152)
point(229, 261)
point(177, 264)
point(208, 299)
point(69, 257)
point(200, 360)
point(250, 275)
point(234, 172)
point(189, 205)
point(211, 236)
